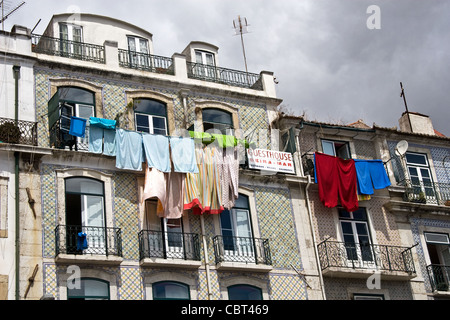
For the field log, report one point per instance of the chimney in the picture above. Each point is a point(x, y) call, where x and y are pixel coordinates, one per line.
point(420, 123)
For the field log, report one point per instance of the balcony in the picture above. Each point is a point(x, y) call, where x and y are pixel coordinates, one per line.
point(224, 76)
point(251, 254)
point(340, 259)
point(103, 245)
point(439, 277)
point(176, 249)
point(146, 62)
point(18, 132)
point(69, 49)
point(426, 192)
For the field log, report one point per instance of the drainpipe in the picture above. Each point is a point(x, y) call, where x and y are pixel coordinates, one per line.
point(308, 206)
point(16, 70)
point(205, 251)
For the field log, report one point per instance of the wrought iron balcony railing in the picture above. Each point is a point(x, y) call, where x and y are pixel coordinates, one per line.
point(426, 192)
point(66, 48)
point(146, 62)
point(365, 256)
point(18, 132)
point(99, 240)
point(225, 76)
point(169, 245)
point(439, 277)
point(242, 249)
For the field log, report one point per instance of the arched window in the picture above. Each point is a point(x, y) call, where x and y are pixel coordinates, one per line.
point(170, 290)
point(150, 116)
point(89, 289)
point(244, 292)
point(218, 120)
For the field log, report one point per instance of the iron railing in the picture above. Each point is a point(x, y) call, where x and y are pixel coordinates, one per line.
point(426, 192)
point(439, 277)
point(166, 245)
point(365, 256)
point(242, 249)
point(18, 132)
point(146, 62)
point(99, 240)
point(67, 48)
point(225, 76)
point(60, 138)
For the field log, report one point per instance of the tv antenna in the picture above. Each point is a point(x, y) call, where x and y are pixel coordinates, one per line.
point(240, 26)
point(8, 8)
point(402, 94)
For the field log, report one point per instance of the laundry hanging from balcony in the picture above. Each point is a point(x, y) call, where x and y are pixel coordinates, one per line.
point(102, 136)
point(336, 179)
point(371, 175)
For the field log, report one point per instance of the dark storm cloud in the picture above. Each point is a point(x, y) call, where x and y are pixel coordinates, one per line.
point(328, 63)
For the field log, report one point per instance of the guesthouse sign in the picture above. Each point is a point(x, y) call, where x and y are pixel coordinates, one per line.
point(269, 160)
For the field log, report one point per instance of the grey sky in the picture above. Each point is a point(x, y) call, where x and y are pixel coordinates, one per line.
point(328, 63)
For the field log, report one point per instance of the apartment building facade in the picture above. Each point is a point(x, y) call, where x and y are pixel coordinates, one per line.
point(81, 227)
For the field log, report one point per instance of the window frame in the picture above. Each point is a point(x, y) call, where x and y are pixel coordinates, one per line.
point(228, 128)
point(336, 152)
point(257, 289)
point(106, 297)
point(180, 284)
point(150, 116)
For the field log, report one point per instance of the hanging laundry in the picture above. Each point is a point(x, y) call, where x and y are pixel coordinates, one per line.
point(174, 206)
point(129, 150)
point(109, 142)
point(95, 139)
point(77, 127)
point(102, 123)
point(336, 179)
point(225, 141)
point(81, 241)
point(155, 186)
point(183, 155)
point(230, 177)
point(157, 151)
point(371, 175)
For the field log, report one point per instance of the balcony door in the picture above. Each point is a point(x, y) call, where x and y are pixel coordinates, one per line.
point(71, 38)
point(357, 241)
point(85, 214)
point(438, 245)
point(165, 236)
point(420, 176)
point(237, 234)
point(205, 64)
point(139, 53)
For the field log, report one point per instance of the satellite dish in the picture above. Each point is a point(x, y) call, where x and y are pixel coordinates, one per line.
point(401, 148)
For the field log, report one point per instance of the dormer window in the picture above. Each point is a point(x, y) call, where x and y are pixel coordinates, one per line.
point(71, 37)
point(139, 53)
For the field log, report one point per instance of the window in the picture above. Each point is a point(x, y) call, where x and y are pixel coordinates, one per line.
point(207, 64)
point(438, 245)
point(164, 236)
point(336, 148)
point(364, 296)
point(217, 120)
point(150, 116)
point(90, 289)
point(170, 290)
point(71, 37)
point(76, 102)
point(356, 235)
point(420, 175)
point(237, 232)
point(244, 292)
point(85, 214)
point(139, 53)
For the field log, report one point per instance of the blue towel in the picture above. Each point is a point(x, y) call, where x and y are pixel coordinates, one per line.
point(95, 139)
point(102, 123)
point(156, 149)
point(371, 174)
point(77, 127)
point(183, 155)
point(129, 150)
point(81, 241)
point(109, 142)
